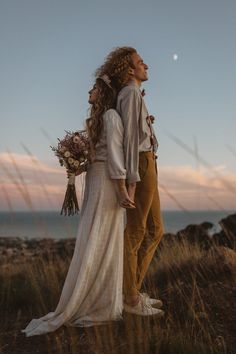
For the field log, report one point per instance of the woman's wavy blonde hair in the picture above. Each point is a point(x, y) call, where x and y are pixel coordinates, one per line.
point(117, 65)
point(94, 124)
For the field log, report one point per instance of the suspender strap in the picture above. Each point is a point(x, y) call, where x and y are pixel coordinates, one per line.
point(148, 120)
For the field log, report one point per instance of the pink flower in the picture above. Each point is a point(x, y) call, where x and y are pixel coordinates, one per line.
point(76, 139)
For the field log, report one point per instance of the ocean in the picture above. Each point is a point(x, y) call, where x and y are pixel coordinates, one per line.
point(53, 225)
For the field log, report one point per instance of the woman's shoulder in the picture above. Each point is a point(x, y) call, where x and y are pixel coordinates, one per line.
point(111, 114)
point(112, 120)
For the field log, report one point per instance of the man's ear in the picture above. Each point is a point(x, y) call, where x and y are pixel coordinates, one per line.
point(131, 71)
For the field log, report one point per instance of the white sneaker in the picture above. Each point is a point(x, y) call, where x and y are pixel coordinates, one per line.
point(145, 297)
point(143, 309)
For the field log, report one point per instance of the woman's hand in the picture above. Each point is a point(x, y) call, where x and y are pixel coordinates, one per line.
point(124, 198)
point(78, 172)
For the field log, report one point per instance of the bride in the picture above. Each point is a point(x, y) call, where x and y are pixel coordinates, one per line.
point(92, 292)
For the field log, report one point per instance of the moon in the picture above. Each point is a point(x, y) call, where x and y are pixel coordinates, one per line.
point(175, 57)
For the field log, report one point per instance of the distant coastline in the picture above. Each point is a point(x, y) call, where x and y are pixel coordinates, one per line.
point(50, 224)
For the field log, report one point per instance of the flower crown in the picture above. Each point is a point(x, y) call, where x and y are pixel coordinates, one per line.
point(105, 78)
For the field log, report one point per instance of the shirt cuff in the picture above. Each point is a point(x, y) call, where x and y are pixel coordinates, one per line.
point(133, 177)
point(118, 177)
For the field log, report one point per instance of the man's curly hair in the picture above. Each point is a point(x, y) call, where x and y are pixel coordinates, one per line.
point(117, 65)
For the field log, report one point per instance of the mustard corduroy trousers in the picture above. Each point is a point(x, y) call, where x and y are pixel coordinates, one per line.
point(144, 228)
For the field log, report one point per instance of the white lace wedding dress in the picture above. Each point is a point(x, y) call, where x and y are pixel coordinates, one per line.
point(92, 292)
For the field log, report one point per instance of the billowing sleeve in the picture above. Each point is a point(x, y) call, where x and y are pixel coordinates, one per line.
point(114, 138)
point(129, 107)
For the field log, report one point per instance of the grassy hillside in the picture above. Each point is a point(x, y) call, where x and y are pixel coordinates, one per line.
point(196, 285)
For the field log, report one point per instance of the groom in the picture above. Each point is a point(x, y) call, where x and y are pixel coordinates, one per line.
point(127, 70)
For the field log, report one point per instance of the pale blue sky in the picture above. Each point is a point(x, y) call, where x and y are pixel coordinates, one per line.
point(51, 48)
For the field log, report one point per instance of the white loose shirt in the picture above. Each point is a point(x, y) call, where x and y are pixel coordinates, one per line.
point(110, 145)
point(137, 133)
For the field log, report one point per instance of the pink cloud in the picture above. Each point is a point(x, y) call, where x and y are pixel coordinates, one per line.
point(40, 185)
point(197, 188)
point(27, 163)
point(32, 184)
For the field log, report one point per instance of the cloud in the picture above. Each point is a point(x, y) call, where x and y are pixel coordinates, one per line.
point(27, 163)
point(200, 188)
point(187, 177)
point(26, 183)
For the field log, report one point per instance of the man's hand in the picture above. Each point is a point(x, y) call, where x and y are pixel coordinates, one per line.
point(131, 190)
point(124, 198)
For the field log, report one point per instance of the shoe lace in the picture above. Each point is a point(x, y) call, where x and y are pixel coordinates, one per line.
point(145, 297)
point(144, 303)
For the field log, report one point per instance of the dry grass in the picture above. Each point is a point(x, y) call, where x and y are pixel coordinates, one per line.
point(191, 282)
